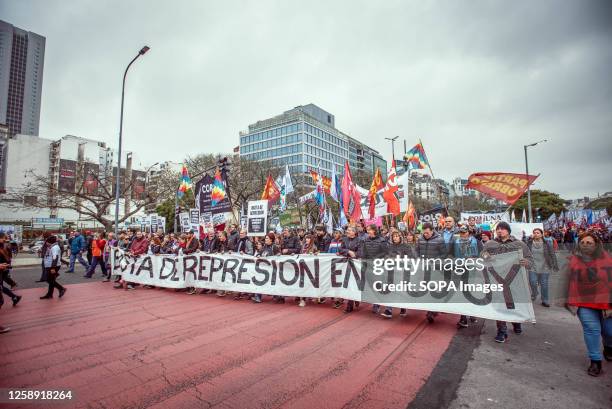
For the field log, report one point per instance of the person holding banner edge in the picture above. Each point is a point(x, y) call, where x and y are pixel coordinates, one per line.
point(504, 242)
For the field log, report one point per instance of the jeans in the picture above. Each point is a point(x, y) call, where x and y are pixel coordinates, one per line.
point(542, 279)
point(94, 263)
point(595, 328)
point(77, 256)
point(503, 327)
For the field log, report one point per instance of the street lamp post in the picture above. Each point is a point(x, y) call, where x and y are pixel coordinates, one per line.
point(530, 215)
point(392, 146)
point(142, 51)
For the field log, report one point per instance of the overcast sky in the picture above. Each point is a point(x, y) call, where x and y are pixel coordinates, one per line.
point(474, 80)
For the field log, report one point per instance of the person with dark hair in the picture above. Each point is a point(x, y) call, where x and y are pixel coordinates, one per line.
point(52, 264)
point(431, 245)
point(371, 248)
point(97, 248)
point(589, 297)
point(5, 269)
point(322, 239)
point(268, 249)
point(77, 245)
point(350, 248)
point(545, 261)
point(504, 242)
point(397, 248)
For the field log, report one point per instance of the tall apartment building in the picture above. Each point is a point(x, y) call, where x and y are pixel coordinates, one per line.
point(306, 138)
point(70, 164)
point(22, 57)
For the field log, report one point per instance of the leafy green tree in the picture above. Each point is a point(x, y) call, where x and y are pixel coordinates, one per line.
point(546, 203)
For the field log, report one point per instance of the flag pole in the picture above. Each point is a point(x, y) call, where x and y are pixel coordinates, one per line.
point(434, 179)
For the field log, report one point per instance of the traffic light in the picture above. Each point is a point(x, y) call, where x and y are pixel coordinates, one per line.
point(224, 165)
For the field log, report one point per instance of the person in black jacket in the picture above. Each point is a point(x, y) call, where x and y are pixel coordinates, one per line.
point(322, 239)
point(290, 244)
point(431, 245)
point(210, 242)
point(397, 248)
point(372, 247)
point(349, 248)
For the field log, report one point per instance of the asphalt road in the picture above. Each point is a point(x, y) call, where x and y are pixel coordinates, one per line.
point(26, 277)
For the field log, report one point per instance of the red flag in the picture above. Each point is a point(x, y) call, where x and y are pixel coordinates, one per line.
point(377, 184)
point(350, 196)
point(393, 205)
point(507, 187)
point(271, 192)
point(326, 181)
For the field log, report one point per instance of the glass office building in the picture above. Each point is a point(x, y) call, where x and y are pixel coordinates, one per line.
point(306, 138)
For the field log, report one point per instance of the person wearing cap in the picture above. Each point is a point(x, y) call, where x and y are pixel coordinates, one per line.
point(504, 242)
point(466, 246)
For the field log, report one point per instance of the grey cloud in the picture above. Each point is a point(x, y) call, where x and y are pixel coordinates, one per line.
point(474, 80)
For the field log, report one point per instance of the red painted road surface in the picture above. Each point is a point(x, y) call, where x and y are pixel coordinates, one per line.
point(162, 349)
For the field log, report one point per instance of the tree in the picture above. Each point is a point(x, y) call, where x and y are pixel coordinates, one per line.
point(546, 203)
point(92, 197)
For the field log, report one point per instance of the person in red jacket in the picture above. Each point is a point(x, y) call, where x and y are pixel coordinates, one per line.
point(138, 247)
point(97, 251)
point(590, 291)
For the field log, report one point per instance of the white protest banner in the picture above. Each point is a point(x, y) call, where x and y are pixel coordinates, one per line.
point(161, 223)
point(485, 218)
point(499, 290)
point(154, 224)
point(518, 228)
point(257, 217)
point(194, 219)
point(206, 220)
point(185, 222)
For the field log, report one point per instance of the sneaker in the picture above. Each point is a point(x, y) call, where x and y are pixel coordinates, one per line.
point(62, 292)
point(16, 300)
point(4, 330)
point(430, 317)
point(256, 299)
point(46, 297)
point(320, 300)
point(545, 304)
point(337, 304)
point(462, 323)
point(130, 287)
point(221, 294)
point(403, 313)
point(387, 314)
point(191, 291)
point(302, 303)
point(517, 328)
point(595, 368)
point(501, 337)
point(118, 286)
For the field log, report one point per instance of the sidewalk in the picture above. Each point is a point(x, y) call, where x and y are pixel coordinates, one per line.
point(24, 259)
point(545, 367)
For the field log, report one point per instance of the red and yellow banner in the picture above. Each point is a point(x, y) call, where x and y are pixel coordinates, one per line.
point(326, 181)
point(507, 187)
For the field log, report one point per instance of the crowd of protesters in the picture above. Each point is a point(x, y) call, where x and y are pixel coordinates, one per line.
point(448, 240)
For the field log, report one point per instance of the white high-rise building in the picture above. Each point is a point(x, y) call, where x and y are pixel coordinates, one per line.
point(22, 57)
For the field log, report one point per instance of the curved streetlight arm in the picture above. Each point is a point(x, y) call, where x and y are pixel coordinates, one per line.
point(142, 51)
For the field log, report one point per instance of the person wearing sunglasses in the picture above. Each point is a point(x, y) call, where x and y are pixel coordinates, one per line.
point(589, 295)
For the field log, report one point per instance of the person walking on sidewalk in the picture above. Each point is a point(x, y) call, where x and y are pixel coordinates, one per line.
point(589, 297)
point(505, 243)
point(545, 261)
point(77, 245)
point(5, 269)
point(52, 261)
